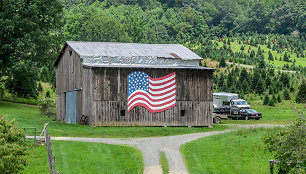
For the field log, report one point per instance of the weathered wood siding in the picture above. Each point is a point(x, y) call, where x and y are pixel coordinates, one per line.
point(109, 96)
point(69, 73)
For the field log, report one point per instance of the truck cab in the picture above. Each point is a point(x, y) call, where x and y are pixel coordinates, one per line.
point(238, 104)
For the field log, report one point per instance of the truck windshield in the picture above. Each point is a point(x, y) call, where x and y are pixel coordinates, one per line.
point(241, 102)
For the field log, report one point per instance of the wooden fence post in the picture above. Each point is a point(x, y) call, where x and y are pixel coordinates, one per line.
point(49, 150)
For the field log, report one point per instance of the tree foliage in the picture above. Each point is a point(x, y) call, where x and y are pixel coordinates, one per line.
point(289, 147)
point(301, 95)
point(28, 30)
point(12, 147)
point(23, 80)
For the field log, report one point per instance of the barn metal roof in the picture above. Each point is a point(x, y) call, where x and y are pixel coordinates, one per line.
point(149, 66)
point(115, 49)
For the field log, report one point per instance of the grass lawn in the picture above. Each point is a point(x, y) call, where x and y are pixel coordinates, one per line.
point(29, 116)
point(237, 152)
point(80, 157)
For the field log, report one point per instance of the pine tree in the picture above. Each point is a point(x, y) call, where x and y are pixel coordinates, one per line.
point(274, 98)
point(259, 51)
point(245, 86)
point(301, 95)
point(252, 54)
point(228, 42)
point(266, 100)
point(271, 103)
point(286, 57)
point(279, 99)
point(222, 62)
point(242, 48)
point(270, 56)
point(269, 45)
point(259, 87)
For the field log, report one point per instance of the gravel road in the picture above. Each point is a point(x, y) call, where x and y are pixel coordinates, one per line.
point(152, 146)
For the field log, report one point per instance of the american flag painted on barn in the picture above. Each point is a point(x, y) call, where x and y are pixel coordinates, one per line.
point(156, 95)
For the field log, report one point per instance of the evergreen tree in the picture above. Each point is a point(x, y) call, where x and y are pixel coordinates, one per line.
point(279, 99)
point(266, 100)
point(228, 42)
point(221, 81)
point(259, 87)
point(242, 48)
point(222, 62)
point(259, 51)
point(286, 94)
point(269, 45)
point(286, 57)
point(301, 95)
point(274, 98)
point(252, 54)
point(270, 56)
point(271, 103)
point(245, 86)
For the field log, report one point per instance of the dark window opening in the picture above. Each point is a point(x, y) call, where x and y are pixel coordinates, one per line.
point(122, 113)
point(70, 53)
point(182, 113)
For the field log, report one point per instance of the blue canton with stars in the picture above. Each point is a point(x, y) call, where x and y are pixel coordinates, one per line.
point(138, 80)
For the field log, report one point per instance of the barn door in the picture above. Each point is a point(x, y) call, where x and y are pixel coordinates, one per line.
point(71, 104)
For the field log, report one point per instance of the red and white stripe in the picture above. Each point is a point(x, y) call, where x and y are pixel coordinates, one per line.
point(161, 96)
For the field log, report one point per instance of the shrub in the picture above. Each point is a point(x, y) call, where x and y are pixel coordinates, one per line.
point(286, 94)
point(12, 147)
point(266, 100)
point(279, 99)
point(289, 147)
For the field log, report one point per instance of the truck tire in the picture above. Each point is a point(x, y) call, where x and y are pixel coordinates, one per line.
point(246, 118)
point(217, 120)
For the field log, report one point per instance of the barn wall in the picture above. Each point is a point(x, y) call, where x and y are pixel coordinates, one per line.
point(68, 77)
point(194, 95)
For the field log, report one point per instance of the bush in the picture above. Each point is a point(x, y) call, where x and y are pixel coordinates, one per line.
point(266, 100)
point(279, 99)
point(289, 147)
point(45, 106)
point(286, 95)
point(12, 147)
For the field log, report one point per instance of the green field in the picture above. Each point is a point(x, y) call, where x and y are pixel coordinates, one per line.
point(29, 116)
point(276, 63)
point(79, 157)
point(237, 152)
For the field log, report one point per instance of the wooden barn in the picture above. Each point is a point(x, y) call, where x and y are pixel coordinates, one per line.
point(126, 84)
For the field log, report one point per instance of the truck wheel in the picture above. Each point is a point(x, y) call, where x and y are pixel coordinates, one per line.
point(217, 120)
point(246, 118)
